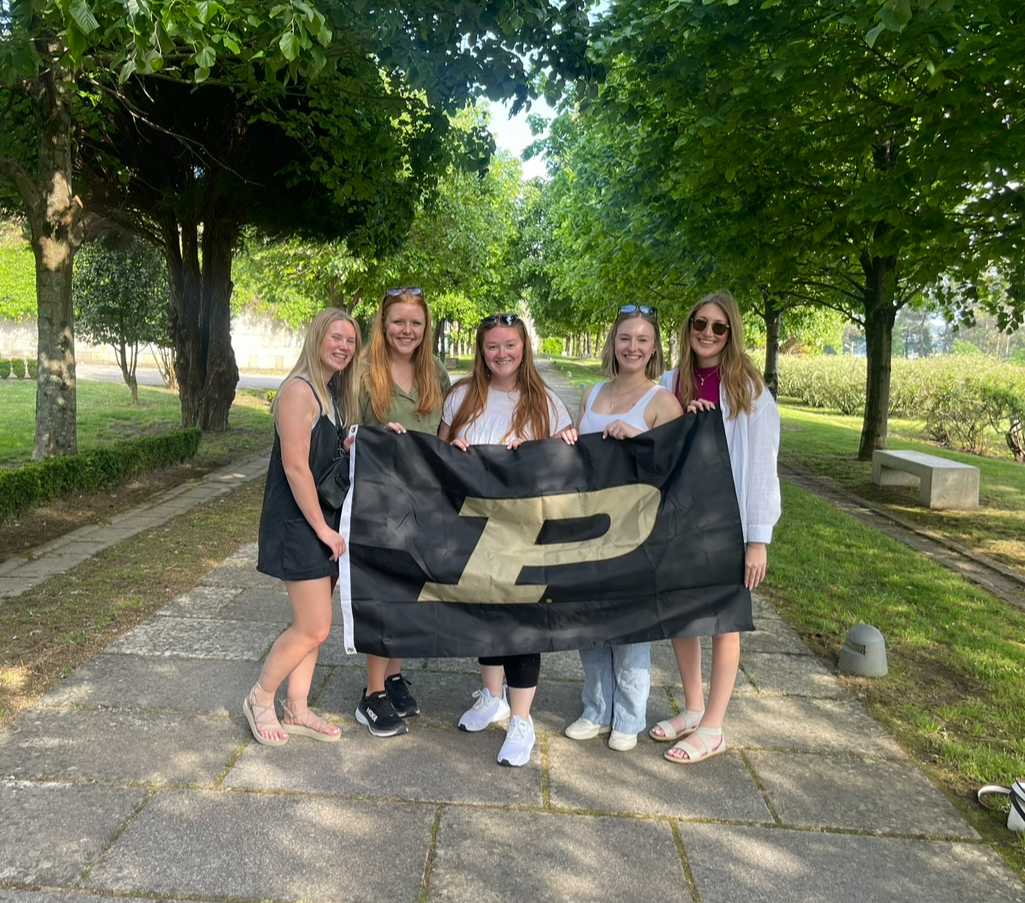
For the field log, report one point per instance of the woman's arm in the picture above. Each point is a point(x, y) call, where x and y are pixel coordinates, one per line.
point(570, 435)
point(295, 412)
point(662, 408)
point(444, 434)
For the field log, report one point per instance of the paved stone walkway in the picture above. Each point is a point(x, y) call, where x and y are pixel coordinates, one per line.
point(136, 777)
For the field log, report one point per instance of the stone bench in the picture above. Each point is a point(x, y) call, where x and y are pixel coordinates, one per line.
point(942, 483)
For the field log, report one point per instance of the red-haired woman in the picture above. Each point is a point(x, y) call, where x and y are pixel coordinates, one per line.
point(403, 388)
point(504, 401)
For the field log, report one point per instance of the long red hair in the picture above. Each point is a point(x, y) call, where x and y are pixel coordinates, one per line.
point(532, 418)
point(377, 378)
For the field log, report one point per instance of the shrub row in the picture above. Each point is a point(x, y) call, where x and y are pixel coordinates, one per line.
point(18, 368)
point(91, 471)
point(959, 396)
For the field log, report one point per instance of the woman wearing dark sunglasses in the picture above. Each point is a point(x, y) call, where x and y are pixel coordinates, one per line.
point(617, 678)
point(503, 402)
point(715, 371)
point(402, 388)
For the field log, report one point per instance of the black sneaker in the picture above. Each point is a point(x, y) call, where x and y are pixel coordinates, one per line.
point(398, 692)
point(375, 712)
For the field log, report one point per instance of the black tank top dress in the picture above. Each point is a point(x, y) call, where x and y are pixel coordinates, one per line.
point(288, 547)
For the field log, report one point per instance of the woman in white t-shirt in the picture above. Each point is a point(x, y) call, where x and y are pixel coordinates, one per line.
point(503, 402)
point(617, 678)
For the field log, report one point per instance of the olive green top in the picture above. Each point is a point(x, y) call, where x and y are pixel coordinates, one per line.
point(403, 406)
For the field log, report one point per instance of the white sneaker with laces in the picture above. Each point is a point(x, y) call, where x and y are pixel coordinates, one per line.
point(486, 710)
point(519, 741)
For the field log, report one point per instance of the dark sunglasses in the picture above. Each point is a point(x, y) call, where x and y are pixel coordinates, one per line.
point(643, 308)
point(700, 324)
point(404, 290)
point(500, 320)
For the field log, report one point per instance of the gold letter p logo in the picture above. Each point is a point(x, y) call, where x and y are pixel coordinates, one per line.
point(509, 541)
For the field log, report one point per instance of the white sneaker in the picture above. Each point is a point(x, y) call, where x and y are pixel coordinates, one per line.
point(486, 710)
point(622, 742)
point(519, 741)
point(582, 729)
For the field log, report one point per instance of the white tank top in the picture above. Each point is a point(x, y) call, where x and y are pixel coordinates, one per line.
point(596, 423)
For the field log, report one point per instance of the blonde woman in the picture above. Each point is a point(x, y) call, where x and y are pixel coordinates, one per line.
point(617, 678)
point(299, 540)
point(403, 388)
point(504, 401)
point(715, 372)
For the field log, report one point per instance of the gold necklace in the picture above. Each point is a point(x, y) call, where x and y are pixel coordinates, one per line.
point(703, 379)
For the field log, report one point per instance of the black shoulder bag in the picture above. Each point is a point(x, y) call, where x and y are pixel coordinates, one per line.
point(333, 484)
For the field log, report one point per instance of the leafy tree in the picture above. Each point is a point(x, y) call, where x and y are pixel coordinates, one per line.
point(837, 147)
point(120, 293)
point(328, 120)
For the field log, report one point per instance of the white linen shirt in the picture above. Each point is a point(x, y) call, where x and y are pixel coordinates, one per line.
point(753, 443)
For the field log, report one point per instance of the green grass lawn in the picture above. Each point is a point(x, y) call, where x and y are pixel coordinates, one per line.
point(107, 416)
point(955, 694)
point(827, 445)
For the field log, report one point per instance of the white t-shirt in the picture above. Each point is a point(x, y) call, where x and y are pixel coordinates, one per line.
point(492, 426)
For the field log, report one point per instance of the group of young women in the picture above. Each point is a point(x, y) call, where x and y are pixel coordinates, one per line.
point(504, 401)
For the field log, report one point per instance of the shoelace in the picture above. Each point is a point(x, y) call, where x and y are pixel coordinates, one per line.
point(482, 702)
point(518, 732)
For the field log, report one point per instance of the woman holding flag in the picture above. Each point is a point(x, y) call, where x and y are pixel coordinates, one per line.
point(504, 401)
point(714, 370)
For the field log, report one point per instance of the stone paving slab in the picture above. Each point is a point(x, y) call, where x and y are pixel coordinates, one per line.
point(588, 775)
point(172, 685)
point(758, 865)
point(269, 847)
point(789, 675)
point(119, 747)
point(497, 857)
point(808, 725)
point(238, 572)
point(428, 765)
point(200, 602)
point(873, 795)
point(197, 638)
point(259, 604)
point(50, 832)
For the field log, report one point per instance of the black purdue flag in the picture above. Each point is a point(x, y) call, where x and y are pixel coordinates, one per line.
point(549, 547)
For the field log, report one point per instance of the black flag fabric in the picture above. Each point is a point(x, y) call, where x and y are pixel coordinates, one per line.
point(552, 546)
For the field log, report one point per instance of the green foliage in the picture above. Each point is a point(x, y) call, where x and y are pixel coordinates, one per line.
point(120, 293)
point(958, 396)
point(32, 367)
point(17, 274)
point(552, 346)
point(5, 368)
point(99, 469)
point(18, 368)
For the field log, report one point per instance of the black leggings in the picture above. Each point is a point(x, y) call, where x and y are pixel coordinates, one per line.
point(521, 671)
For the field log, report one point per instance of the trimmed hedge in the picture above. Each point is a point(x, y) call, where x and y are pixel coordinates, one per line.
point(91, 471)
point(5, 368)
point(18, 367)
point(958, 396)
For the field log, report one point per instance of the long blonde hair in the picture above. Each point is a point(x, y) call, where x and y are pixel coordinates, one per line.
point(532, 418)
point(344, 385)
point(740, 378)
point(377, 378)
point(656, 363)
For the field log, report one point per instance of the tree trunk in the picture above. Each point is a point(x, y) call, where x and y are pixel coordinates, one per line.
point(773, 318)
point(200, 317)
point(56, 220)
point(880, 313)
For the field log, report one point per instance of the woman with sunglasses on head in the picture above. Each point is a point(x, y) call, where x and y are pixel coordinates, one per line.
point(617, 678)
point(299, 540)
point(715, 371)
point(504, 401)
point(403, 387)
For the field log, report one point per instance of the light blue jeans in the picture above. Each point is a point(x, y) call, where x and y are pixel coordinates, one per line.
point(616, 684)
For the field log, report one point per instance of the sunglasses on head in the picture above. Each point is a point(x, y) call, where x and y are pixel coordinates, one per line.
point(700, 324)
point(500, 320)
point(404, 290)
point(643, 308)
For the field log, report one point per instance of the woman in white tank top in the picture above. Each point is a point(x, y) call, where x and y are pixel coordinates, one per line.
point(617, 678)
